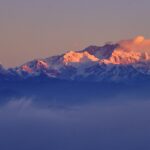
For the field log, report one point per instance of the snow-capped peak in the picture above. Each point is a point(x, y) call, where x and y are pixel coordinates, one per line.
point(130, 51)
point(125, 57)
point(78, 57)
point(123, 60)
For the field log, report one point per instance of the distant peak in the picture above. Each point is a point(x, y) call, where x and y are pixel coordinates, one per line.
point(131, 51)
point(42, 64)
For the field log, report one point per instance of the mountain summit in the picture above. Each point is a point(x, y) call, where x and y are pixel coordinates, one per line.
point(125, 60)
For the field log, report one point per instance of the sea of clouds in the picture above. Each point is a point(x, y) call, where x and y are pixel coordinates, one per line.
point(112, 125)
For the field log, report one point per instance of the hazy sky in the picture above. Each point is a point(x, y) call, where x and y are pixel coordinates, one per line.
point(41, 28)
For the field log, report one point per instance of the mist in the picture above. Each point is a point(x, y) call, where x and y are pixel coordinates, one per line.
point(114, 124)
point(137, 44)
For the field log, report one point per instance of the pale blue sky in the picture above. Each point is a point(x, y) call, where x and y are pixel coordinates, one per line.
point(41, 28)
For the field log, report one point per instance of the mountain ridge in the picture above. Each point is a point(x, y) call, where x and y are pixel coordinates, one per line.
point(125, 60)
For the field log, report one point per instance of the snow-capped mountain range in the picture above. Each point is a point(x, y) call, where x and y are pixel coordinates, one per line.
point(125, 60)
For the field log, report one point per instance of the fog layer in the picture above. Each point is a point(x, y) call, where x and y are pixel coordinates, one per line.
point(119, 124)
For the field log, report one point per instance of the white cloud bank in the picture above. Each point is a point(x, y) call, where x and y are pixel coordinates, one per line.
point(138, 43)
point(118, 126)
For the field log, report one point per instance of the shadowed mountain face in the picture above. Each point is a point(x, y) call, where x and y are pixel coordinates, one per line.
point(42, 113)
point(68, 93)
